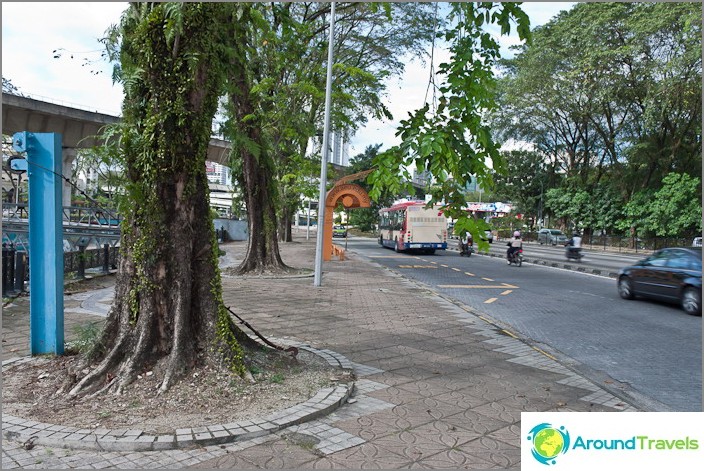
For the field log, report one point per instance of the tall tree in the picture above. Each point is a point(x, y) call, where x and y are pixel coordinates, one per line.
point(611, 92)
point(525, 181)
point(455, 140)
point(283, 68)
point(250, 145)
point(366, 218)
point(673, 210)
point(168, 313)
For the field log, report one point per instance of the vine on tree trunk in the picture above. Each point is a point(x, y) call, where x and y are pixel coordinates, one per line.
point(168, 314)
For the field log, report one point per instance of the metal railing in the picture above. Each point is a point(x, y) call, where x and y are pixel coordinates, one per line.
point(614, 243)
point(15, 264)
point(74, 215)
point(82, 226)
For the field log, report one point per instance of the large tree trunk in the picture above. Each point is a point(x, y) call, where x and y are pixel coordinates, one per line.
point(257, 164)
point(286, 224)
point(168, 314)
point(263, 249)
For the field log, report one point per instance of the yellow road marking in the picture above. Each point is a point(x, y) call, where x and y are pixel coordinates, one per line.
point(544, 353)
point(490, 300)
point(487, 279)
point(508, 333)
point(469, 274)
point(508, 291)
point(435, 263)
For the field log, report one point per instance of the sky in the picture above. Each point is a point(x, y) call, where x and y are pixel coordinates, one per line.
point(33, 31)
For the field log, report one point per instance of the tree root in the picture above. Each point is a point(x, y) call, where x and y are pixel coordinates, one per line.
point(100, 391)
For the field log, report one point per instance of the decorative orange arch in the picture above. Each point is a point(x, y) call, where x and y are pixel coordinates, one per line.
point(351, 196)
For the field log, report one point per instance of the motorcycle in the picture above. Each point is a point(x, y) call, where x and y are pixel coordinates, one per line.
point(466, 249)
point(573, 253)
point(516, 258)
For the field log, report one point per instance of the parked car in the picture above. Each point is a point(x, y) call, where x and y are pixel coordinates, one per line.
point(671, 274)
point(551, 236)
point(339, 231)
point(697, 242)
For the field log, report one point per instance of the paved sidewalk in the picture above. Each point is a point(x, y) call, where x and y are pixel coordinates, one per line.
point(438, 386)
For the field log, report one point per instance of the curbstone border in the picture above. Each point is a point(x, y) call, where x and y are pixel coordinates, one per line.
point(325, 401)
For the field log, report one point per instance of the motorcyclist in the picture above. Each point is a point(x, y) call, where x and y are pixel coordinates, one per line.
point(574, 245)
point(466, 242)
point(514, 245)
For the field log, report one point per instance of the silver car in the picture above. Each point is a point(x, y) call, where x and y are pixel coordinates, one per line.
point(551, 236)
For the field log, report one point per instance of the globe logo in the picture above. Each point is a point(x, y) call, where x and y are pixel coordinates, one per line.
point(548, 442)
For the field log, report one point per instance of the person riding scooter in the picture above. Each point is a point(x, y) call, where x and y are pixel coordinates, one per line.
point(574, 247)
point(466, 244)
point(514, 245)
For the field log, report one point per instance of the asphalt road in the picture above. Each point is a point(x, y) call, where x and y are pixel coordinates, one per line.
point(647, 351)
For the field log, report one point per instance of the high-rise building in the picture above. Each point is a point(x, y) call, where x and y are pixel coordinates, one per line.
point(340, 150)
point(217, 173)
point(337, 148)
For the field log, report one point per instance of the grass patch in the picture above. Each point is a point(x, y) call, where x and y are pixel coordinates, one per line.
point(87, 338)
point(277, 378)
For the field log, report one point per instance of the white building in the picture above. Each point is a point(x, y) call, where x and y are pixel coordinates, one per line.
point(218, 174)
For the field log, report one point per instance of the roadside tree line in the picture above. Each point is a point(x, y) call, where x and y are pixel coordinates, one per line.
point(609, 97)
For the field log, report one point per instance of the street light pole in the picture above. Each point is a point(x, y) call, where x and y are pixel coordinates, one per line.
point(308, 223)
point(324, 157)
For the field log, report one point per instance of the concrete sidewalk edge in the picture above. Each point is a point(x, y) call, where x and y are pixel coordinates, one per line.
point(325, 401)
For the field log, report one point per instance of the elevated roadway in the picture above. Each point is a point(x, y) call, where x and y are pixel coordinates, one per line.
point(79, 128)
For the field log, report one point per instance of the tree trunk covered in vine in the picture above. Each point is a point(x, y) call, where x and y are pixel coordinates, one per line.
point(168, 315)
point(257, 164)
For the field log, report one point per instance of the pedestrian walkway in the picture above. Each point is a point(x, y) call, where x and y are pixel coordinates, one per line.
point(438, 385)
point(80, 309)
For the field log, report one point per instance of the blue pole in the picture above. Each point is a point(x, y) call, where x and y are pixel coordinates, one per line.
point(46, 260)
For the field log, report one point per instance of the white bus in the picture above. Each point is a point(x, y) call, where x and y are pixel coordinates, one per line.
point(412, 226)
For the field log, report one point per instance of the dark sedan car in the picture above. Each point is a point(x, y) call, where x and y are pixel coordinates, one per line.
point(672, 274)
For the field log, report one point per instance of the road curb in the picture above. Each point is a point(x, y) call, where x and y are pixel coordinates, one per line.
point(325, 401)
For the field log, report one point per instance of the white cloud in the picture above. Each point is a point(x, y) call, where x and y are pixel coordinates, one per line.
point(32, 31)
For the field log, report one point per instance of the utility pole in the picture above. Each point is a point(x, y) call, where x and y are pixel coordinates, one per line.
point(324, 158)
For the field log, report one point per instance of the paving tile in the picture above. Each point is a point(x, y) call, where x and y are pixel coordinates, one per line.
point(365, 456)
point(453, 459)
point(499, 454)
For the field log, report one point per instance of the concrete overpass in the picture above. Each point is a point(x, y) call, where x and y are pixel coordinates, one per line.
point(78, 128)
